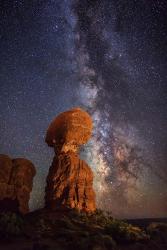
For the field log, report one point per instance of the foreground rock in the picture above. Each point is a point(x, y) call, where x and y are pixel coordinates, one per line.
point(16, 181)
point(72, 230)
point(70, 179)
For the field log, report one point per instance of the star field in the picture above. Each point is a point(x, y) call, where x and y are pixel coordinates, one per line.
point(107, 57)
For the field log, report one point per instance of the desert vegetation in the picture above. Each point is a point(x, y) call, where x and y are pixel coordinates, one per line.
point(77, 230)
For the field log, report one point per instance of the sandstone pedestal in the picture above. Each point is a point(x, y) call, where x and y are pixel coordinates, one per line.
point(70, 179)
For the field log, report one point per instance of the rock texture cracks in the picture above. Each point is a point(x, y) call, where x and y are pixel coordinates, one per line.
point(70, 179)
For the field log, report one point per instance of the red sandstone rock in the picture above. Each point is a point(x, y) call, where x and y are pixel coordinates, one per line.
point(70, 179)
point(5, 168)
point(73, 127)
point(69, 183)
point(16, 181)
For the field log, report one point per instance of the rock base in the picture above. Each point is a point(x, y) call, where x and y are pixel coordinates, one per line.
point(70, 184)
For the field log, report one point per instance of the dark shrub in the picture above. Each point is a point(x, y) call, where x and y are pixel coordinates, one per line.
point(158, 232)
point(11, 224)
point(123, 232)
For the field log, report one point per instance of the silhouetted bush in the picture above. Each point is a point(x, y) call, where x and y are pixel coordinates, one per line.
point(109, 242)
point(100, 218)
point(123, 232)
point(158, 232)
point(43, 226)
point(11, 224)
point(101, 241)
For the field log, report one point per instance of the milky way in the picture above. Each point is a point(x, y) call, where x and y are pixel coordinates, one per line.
point(107, 57)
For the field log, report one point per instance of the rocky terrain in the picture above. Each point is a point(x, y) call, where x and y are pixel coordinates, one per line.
point(72, 230)
point(69, 183)
point(16, 181)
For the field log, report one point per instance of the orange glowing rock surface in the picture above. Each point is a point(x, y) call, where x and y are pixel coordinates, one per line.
point(73, 126)
point(70, 179)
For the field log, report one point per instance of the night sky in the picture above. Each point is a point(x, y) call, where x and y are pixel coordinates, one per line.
point(108, 57)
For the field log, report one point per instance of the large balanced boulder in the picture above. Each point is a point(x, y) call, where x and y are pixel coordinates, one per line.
point(16, 181)
point(70, 179)
point(69, 130)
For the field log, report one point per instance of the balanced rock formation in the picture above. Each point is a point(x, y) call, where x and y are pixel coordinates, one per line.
point(16, 181)
point(70, 179)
